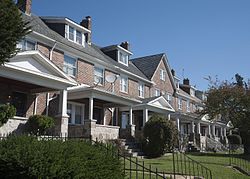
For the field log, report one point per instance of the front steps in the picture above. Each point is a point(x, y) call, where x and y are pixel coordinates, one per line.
point(131, 148)
point(192, 148)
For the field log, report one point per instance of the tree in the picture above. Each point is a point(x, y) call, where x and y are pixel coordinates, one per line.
point(160, 136)
point(231, 100)
point(13, 28)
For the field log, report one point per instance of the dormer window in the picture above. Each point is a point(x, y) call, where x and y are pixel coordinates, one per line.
point(74, 35)
point(123, 58)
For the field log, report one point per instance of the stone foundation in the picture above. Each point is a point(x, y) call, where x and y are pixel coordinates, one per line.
point(15, 125)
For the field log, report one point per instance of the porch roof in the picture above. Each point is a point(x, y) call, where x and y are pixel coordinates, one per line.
point(32, 67)
point(84, 91)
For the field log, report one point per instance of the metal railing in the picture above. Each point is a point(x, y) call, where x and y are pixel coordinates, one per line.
point(237, 159)
point(189, 168)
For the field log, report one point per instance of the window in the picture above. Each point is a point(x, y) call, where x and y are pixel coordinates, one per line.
point(124, 84)
point(141, 90)
point(74, 35)
point(179, 103)
point(25, 45)
point(157, 92)
point(188, 106)
point(78, 37)
point(162, 74)
point(99, 75)
point(169, 99)
point(71, 33)
point(123, 58)
point(76, 113)
point(69, 66)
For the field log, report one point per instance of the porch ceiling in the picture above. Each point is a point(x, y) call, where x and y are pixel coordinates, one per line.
point(111, 98)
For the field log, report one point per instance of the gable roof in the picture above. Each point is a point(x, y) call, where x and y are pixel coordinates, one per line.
point(93, 50)
point(148, 64)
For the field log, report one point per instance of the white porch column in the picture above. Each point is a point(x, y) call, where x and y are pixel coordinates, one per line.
point(213, 130)
point(130, 116)
point(145, 116)
point(63, 102)
point(178, 123)
point(35, 105)
point(199, 128)
point(61, 127)
point(225, 132)
point(192, 127)
point(91, 106)
point(209, 130)
point(221, 132)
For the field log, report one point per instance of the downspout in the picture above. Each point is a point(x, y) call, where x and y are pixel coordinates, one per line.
point(51, 51)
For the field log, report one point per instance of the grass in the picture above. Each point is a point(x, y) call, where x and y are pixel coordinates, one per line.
point(216, 162)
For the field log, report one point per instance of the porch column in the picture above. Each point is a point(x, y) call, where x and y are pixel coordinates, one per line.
point(35, 105)
point(225, 132)
point(91, 106)
point(213, 130)
point(145, 116)
point(209, 130)
point(192, 126)
point(130, 116)
point(178, 123)
point(221, 133)
point(199, 128)
point(62, 118)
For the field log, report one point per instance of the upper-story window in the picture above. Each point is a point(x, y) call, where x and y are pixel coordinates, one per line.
point(188, 106)
point(162, 74)
point(124, 84)
point(192, 92)
point(157, 92)
point(26, 44)
point(179, 103)
point(69, 65)
point(169, 98)
point(141, 90)
point(99, 75)
point(123, 58)
point(74, 35)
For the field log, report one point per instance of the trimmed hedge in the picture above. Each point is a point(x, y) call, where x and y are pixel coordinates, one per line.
point(38, 124)
point(27, 157)
point(160, 136)
point(234, 139)
point(6, 112)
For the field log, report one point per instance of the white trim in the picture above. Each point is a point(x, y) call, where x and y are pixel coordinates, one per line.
point(121, 83)
point(125, 50)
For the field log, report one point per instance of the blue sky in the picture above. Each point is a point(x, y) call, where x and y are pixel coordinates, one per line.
point(203, 37)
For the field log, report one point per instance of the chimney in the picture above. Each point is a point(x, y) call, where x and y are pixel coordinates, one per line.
point(25, 6)
point(186, 81)
point(87, 23)
point(125, 45)
point(173, 72)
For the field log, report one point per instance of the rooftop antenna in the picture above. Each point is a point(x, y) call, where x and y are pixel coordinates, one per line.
point(183, 73)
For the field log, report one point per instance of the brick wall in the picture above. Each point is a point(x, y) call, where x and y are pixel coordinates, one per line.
point(163, 86)
point(85, 72)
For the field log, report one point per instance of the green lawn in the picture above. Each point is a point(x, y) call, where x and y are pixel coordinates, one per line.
point(217, 163)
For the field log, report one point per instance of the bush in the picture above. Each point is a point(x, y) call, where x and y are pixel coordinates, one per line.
point(6, 112)
point(27, 157)
point(234, 139)
point(160, 136)
point(38, 124)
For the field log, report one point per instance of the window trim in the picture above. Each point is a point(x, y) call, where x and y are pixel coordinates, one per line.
point(73, 109)
point(188, 105)
point(67, 27)
point(141, 91)
point(119, 57)
point(121, 85)
point(156, 89)
point(162, 75)
point(103, 75)
point(75, 67)
point(180, 103)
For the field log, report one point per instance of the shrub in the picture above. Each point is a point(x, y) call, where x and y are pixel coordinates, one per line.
point(6, 112)
point(27, 157)
point(38, 124)
point(234, 139)
point(160, 135)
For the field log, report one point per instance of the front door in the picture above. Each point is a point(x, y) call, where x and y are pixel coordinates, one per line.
point(18, 100)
